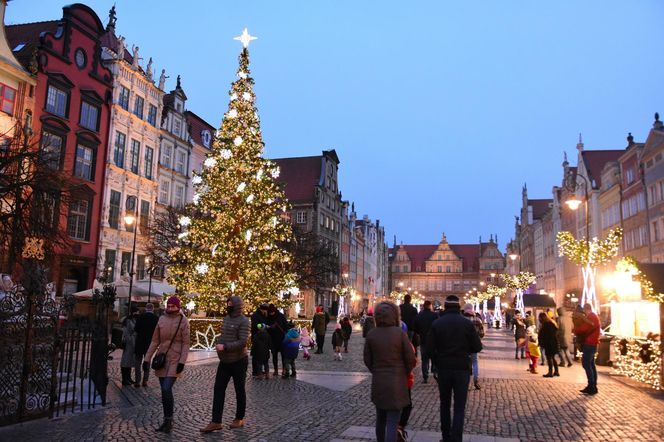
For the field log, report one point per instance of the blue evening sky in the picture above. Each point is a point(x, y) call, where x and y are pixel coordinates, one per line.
point(438, 110)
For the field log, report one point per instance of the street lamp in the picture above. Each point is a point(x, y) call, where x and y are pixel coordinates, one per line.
point(572, 185)
point(513, 256)
point(130, 220)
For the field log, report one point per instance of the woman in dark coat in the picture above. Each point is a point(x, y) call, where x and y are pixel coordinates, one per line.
point(389, 356)
point(548, 340)
point(346, 331)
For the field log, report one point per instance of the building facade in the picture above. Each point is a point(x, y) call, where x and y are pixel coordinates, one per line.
point(653, 176)
point(73, 94)
point(200, 138)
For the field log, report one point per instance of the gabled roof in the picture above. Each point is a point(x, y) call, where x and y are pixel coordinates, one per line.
point(29, 35)
point(196, 126)
point(300, 175)
point(468, 253)
point(654, 142)
point(540, 207)
point(595, 160)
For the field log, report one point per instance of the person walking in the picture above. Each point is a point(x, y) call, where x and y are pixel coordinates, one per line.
point(369, 323)
point(128, 360)
point(389, 356)
point(171, 338)
point(408, 315)
point(319, 325)
point(259, 317)
point(277, 326)
point(306, 342)
point(519, 335)
point(402, 433)
point(337, 341)
point(451, 341)
point(145, 325)
point(233, 361)
point(346, 331)
point(423, 322)
point(587, 334)
point(476, 320)
point(548, 340)
point(562, 338)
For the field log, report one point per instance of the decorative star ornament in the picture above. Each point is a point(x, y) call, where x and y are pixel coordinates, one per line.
point(245, 38)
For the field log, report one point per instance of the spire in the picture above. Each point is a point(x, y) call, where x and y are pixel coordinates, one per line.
point(579, 145)
point(110, 26)
point(565, 162)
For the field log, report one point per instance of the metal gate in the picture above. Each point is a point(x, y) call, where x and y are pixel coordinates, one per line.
point(53, 358)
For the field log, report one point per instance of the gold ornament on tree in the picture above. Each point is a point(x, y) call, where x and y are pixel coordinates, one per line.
point(33, 248)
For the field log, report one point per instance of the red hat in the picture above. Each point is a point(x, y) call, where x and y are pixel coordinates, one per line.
point(174, 300)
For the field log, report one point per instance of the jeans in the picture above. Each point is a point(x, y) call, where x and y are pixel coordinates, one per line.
point(275, 358)
point(564, 354)
point(386, 425)
point(426, 362)
point(138, 367)
point(588, 363)
point(320, 341)
point(237, 371)
point(167, 399)
point(476, 366)
point(346, 344)
point(452, 381)
point(516, 350)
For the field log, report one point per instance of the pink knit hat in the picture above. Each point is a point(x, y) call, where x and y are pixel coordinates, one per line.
point(174, 300)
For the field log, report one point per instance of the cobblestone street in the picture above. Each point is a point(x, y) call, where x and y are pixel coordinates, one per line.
point(330, 401)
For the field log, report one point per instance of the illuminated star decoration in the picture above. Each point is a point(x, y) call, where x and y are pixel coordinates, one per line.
point(245, 38)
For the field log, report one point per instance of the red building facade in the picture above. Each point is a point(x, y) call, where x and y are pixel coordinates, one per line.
point(71, 118)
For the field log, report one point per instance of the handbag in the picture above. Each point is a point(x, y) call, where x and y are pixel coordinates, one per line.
point(159, 360)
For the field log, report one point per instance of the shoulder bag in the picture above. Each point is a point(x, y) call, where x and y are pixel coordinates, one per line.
point(159, 360)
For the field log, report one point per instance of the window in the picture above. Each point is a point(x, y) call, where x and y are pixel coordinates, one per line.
point(176, 126)
point(51, 149)
point(152, 114)
point(140, 267)
point(301, 217)
point(405, 269)
point(145, 216)
point(89, 116)
point(109, 263)
point(77, 225)
point(178, 197)
point(164, 192)
point(166, 155)
point(440, 269)
point(7, 98)
point(123, 100)
point(56, 101)
point(139, 104)
point(449, 285)
point(181, 162)
point(125, 267)
point(655, 231)
point(149, 153)
point(84, 160)
point(114, 209)
point(629, 175)
point(119, 152)
point(135, 150)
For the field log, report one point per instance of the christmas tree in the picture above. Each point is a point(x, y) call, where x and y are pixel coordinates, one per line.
point(234, 235)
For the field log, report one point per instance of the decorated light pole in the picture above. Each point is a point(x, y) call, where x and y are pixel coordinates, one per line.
point(518, 283)
point(496, 292)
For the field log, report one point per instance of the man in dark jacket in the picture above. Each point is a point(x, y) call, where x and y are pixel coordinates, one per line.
point(277, 325)
point(259, 317)
point(233, 362)
point(423, 322)
point(145, 325)
point(408, 315)
point(450, 342)
point(319, 325)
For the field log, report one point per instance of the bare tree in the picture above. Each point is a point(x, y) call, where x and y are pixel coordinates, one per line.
point(315, 264)
point(163, 232)
point(34, 194)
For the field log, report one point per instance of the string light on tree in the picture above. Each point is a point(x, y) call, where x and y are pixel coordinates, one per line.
point(519, 283)
point(253, 260)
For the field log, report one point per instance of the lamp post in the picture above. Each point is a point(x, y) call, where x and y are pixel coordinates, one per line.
point(588, 272)
point(130, 220)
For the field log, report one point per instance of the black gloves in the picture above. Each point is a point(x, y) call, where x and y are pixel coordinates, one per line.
point(180, 368)
point(146, 366)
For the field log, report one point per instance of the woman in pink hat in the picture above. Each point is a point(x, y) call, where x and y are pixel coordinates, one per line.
point(171, 337)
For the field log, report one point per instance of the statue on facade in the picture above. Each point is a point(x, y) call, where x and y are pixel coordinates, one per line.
point(177, 84)
point(148, 70)
point(134, 50)
point(120, 50)
point(162, 79)
point(110, 27)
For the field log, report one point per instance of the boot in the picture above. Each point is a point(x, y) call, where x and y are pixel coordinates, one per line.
point(126, 375)
point(167, 426)
point(549, 374)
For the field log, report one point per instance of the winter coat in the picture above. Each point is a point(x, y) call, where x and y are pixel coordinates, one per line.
point(129, 341)
point(234, 333)
point(548, 338)
point(260, 345)
point(145, 325)
point(277, 326)
point(477, 323)
point(389, 356)
point(257, 318)
point(346, 329)
point(337, 338)
point(305, 339)
point(423, 322)
point(167, 329)
point(451, 340)
point(519, 329)
point(369, 324)
point(562, 329)
point(408, 315)
point(319, 324)
point(291, 345)
point(587, 333)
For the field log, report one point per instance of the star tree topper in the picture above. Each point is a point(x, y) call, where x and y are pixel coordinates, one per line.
point(245, 38)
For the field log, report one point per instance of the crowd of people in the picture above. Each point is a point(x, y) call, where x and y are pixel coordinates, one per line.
point(448, 343)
